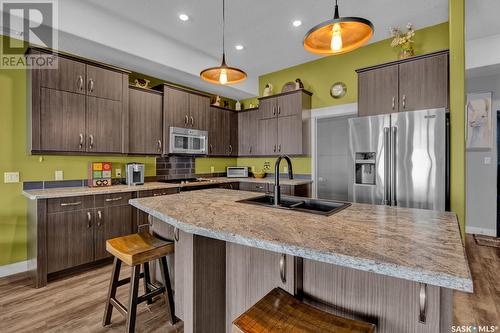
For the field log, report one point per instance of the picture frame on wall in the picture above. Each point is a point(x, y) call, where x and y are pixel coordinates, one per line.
point(479, 121)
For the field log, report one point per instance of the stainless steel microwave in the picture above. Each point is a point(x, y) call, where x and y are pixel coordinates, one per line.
point(188, 141)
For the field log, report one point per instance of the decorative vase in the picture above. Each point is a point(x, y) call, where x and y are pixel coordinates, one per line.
point(406, 51)
point(237, 106)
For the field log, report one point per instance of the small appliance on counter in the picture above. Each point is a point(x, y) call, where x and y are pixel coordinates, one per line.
point(99, 174)
point(237, 172)
point(134, 174)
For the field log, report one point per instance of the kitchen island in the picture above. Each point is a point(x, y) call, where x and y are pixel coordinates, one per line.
point(395, 267)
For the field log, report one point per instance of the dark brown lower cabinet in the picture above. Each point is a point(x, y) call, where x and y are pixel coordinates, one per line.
point(111, 222)
point(70, 239)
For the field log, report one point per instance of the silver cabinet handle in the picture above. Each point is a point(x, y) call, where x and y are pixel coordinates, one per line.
point(250, 150)
point(65, 204)
point(176, 234)
point(80, 144)
point(89, 219)
point(150, 221)
point(283, 268)
point(404, 101)
point(113, 199)
point(91, 85)
point(274, 111)
point(91, 138)
point(186, 120)
point(422, 303)
point(394, 132)
point(159, 145)
point(192, 121)
point(230, 149)
point(99, 215)
point(393, 102)
point(80, 82)
point(387, 164)
point(274, 148)
point(260, 187)
point(210, 148)
point(279, 109)
point(279, 147)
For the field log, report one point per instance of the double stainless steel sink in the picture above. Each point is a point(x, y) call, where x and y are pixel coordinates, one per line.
point(313, 206)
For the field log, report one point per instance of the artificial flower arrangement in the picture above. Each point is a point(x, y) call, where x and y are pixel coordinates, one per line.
point(404, 41)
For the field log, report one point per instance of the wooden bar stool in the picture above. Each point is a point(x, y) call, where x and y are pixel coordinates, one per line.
point(136, 250)
point(279, 311)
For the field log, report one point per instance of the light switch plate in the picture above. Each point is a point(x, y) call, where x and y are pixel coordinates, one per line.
point(59, 175)
point(118, 173)
point(11, 177)
point(487, 160)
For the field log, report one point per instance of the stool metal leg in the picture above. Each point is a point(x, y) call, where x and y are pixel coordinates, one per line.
point(113, 285)
point(168, 287)
point(147, 281)
point(132, 307)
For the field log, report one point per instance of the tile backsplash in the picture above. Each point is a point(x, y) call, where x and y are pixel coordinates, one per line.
point(173, 167)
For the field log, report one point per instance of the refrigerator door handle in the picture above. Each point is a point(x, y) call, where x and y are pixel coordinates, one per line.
point(393, 180)
point(387, 166)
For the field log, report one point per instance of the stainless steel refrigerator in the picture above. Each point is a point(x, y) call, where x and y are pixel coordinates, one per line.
point(400, 159)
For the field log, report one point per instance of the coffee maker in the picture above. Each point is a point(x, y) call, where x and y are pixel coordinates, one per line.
point(134, 174)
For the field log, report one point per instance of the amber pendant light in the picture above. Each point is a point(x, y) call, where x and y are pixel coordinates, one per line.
point(223, 74)
point(339, 35)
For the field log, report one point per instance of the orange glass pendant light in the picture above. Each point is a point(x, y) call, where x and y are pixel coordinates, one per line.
point(223, 74)
point(339, 35)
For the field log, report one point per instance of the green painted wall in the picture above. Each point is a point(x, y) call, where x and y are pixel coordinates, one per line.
point(205, 164)
point(319, 75)
point(457, 108)
point(13, 138)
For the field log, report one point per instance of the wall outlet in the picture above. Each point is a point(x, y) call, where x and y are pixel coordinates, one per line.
point(212, 169)
point(118, 173)
point(11, 177)
point(59, 175)
point(487, 160)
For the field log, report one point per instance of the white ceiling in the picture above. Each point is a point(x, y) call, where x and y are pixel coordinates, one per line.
point(148, 37)
point(482, 18)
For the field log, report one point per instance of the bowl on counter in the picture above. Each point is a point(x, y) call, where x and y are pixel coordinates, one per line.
point(259, 174)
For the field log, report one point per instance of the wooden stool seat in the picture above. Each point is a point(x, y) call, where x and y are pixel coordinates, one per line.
point(138, 248)
point(279, 311)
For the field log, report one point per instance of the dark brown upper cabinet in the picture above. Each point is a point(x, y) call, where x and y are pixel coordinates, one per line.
point(407, 85)
point(222, 132)
point(248, 133)
point(284, 125)
point(185, 109)
point(80, 107)
point(145, 121)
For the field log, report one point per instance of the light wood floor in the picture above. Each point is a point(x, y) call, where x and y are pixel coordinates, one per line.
point(483, 306)
point(76, 303)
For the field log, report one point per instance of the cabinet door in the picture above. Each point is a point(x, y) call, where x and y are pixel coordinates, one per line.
point(176, 107)
point(70, 238)
point(290, 104)
point(104, 83)
point(254, 187)
point(233, 133)
point(69, 76)
point(111, 222)
point(250, 274)
point(267, 107)
point(290, 135)
point(423, 83)
point(198, 111)
point(62, 121)
point(104, 125)
point(183, 276)
point(216, 132)
point(378, 91)
point(145, 122)
point(225, 133)
point(268, 132)
point(245, 133)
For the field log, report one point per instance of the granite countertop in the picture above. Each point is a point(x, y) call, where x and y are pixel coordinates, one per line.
point(412, 244)
point(61, 192)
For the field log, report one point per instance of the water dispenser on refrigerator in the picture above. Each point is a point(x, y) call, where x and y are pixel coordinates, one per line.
point(365, 170)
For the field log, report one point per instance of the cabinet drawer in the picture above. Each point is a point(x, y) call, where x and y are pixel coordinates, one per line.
point(69, 204)
point(164, 191)
point(230, 186)
point(115, 199)
point(254, 187)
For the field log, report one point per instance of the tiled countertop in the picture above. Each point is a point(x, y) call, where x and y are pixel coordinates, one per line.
point(412, 244)
point(62, 192)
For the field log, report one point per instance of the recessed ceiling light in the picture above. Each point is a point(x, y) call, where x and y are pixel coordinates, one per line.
point(183, 17)
point(297, 23)
point(239, 47)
